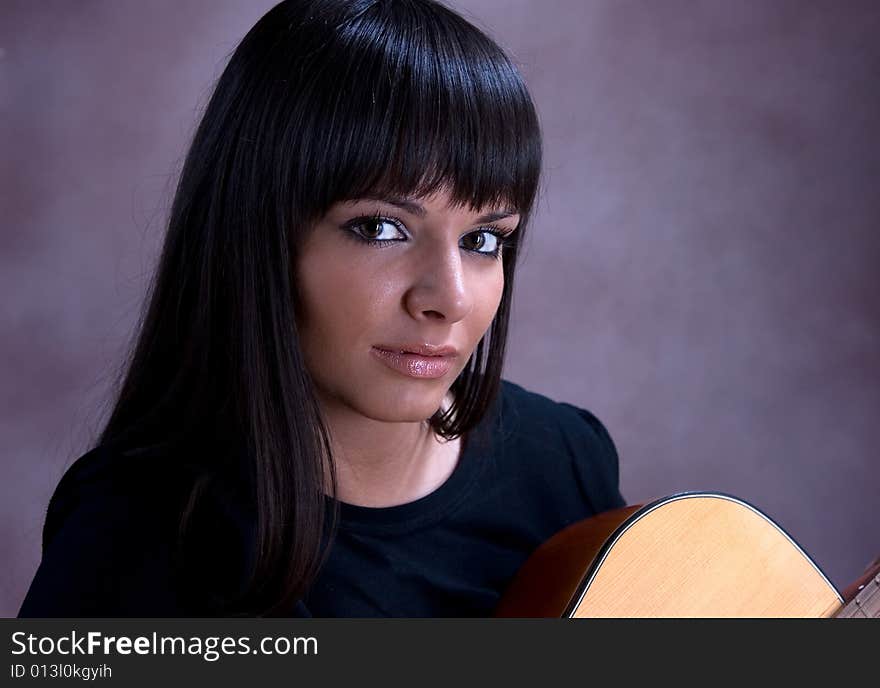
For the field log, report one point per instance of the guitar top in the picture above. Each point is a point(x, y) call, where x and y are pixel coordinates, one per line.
point(696, 554)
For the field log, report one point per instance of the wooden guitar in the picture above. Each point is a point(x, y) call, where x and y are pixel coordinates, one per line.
point(694, 554)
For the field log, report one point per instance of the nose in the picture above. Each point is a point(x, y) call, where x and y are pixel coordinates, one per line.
point(439, 290)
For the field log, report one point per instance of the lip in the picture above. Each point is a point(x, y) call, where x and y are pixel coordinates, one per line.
point(420, 348)
point(417, 365)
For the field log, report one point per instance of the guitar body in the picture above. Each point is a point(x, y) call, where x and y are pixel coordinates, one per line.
point(687, 555)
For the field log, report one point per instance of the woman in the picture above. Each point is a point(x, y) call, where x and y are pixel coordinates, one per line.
point(313, 420)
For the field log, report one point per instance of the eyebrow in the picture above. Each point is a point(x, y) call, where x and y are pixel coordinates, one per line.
point(416, 208)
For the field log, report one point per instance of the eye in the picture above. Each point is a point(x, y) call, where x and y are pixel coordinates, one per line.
point(377, 229)
point(488, 242)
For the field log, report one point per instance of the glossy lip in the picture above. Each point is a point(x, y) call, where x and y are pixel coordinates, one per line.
point(420, 348)
point(417, 365)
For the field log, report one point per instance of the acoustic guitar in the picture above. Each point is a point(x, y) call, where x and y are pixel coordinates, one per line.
point(694, 554)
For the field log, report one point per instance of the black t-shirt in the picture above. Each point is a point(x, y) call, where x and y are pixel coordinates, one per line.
point(532, 467)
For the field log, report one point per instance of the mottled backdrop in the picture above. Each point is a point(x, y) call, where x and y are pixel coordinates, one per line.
point(702, 274)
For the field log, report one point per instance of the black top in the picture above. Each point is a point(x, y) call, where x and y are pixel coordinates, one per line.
point(532, 467)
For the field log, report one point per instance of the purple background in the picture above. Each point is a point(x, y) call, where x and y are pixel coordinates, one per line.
point(702, 272)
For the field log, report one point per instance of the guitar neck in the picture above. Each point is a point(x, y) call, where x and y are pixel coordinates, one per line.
point(866, 603)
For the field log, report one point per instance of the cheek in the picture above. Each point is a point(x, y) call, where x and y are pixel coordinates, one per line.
point(338, 297)
point(487, 306)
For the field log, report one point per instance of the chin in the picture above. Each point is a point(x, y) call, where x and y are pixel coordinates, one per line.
point(409, 401)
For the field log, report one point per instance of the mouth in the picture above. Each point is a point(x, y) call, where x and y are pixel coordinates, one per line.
point(426, 362)
point(420, 349)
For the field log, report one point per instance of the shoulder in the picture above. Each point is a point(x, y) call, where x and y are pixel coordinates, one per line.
point(554, 434)
point(535, 412)
point(119, 486)
point(110, 538)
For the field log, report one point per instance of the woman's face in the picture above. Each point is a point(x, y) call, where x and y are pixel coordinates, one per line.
point(379, 278)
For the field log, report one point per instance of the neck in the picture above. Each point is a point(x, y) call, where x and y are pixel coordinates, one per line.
point(380, 463)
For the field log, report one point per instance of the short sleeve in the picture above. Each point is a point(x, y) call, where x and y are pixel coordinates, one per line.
point(595, 458)
point(107, 550)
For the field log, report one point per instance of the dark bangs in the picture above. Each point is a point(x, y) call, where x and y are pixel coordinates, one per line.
point(402, 98)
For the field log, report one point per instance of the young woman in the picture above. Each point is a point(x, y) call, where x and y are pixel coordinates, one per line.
point(313, 420)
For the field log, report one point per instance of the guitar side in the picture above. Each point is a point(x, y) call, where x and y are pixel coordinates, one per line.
point(554, 573)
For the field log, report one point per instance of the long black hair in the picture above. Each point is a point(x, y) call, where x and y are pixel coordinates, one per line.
point(322, 101)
